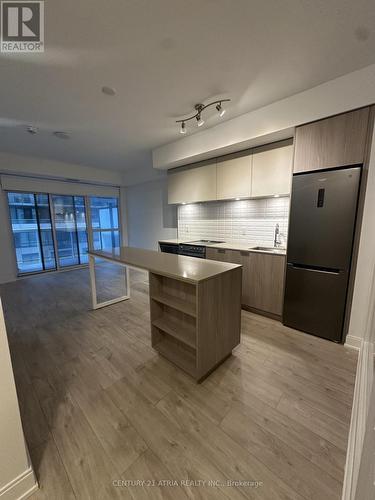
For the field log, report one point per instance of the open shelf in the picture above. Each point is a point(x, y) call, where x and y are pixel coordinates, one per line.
point(180, 331)
point(195, 325)
point(175, 302)
point(177, 354)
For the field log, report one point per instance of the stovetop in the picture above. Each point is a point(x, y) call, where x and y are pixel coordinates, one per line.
point(203, 242)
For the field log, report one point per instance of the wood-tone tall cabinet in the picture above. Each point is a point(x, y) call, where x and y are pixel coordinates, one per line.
point(333, 142)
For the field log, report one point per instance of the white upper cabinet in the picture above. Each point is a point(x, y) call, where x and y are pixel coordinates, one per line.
point(195, 184)
point(272, 170)
point(234, 178)
point(266, 171)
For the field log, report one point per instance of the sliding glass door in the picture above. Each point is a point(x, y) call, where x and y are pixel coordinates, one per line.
point(83, 243)
point(45, 231)
point(32, 232)
point(51, 231)
point(71, 231)
point(104, 223)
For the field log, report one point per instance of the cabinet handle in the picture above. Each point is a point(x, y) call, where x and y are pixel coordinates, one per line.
point(221, 250)
point(244, 254)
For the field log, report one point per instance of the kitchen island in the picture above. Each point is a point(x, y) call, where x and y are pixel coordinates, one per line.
point(195, 305)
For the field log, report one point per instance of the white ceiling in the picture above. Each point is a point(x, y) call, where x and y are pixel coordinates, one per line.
point(163, 56)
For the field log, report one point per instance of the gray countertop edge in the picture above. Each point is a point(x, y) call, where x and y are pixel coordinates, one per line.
point(226, 246)
point(227, 267)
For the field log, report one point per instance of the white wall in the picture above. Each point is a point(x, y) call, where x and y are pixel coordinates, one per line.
point(149, 216)
point(8, 268)
point(366, 261)
point(264, 125)
point(16, 474)
point(140, 175)
point(27, 165)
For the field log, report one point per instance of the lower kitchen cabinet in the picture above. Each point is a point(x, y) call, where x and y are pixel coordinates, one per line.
point(262, 278)
point(223, 255)
point(264, 281)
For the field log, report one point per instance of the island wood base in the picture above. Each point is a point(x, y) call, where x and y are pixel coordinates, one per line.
point(196, 325)
point(195, 305)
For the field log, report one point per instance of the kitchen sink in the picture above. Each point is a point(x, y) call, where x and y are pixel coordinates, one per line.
point(269, 249)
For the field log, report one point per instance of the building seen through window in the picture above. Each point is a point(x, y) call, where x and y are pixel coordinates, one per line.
point(52, 231)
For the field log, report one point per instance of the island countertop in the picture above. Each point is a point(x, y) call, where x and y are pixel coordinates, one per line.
point(189, 269)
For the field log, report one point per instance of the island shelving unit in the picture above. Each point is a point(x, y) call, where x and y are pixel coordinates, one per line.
point(195, 306)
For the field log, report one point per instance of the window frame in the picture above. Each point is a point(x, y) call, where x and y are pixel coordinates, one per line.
point(43, 270)
point(101, 230)
point(89, 229)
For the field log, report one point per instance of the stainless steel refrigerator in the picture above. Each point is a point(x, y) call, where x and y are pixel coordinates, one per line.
point(320, 243)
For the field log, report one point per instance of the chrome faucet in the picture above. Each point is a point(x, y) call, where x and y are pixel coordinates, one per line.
point(276, 241)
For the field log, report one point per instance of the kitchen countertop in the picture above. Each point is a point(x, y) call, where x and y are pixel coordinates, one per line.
point(189, 269)
point(229, 246)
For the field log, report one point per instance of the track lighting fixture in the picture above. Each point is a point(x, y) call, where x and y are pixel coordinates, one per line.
point(220, 110)
point(183, 128)
point(198, 114)
point(200, 122)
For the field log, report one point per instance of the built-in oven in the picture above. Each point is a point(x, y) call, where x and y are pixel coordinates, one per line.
point(189, 250)
point(169, 248)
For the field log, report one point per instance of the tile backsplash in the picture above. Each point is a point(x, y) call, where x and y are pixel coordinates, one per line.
point(244, 221)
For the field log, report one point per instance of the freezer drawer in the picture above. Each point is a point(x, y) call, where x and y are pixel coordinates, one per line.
point(315, 301)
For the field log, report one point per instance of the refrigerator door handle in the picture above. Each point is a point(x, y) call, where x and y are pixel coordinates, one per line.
point(314, 269)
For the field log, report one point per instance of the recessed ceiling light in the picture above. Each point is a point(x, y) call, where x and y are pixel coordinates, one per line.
point(61, 135)
point(108, 91)
point(32, 130)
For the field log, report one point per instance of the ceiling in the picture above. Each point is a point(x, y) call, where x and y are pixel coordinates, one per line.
point(163, 56)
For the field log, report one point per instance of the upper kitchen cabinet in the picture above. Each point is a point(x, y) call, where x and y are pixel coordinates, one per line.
point(332, 142)
point(234, 177)
point(261, 172)
point(272, 169)
point(195, 184)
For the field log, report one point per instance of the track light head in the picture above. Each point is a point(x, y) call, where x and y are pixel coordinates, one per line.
point(220, 109)
point(183, 128)
point(200, 122)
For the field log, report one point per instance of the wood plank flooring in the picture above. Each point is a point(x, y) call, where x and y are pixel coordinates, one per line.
point(106, 417)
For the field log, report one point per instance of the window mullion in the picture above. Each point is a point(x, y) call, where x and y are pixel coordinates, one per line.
point(39, 231)
point(75, 224)
point(53, 220)
point(90, 230)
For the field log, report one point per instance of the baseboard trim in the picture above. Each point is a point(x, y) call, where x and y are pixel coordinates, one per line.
point(361, 399)
point(353, 342)
point(21, 487)
point(267, 314)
